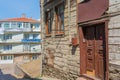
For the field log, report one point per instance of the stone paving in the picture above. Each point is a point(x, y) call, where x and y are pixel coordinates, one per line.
point(6, 73)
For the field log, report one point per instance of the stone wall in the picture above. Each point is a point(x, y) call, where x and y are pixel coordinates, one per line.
point(56, 73)
point(114, 40)
point(65, 56)
point(114, 72)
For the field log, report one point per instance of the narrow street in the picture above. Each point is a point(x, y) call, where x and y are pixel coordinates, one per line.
point(6, 76)
point(10, 77)
point(6, 72)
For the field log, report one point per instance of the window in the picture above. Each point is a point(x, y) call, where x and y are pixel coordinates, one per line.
point(25, 57)
point(6, 25)
point(49, 22)
point(32, 26)
point(34, 57)
point(26, 25)
point(47, 1)
point(26, 36)
point(35, 26)
point(0, 25)
point(7, 57)
point(7, 47)
point(19, 24)
point(35, 36)
point(26, 47)
point(7, 36)
point(14, 25)
point(60, 19)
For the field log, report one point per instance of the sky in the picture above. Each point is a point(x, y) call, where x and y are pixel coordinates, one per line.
point(15, 8)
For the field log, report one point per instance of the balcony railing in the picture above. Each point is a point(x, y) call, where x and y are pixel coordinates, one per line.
point(31, 40)
point(20, 51)
point(19, 30)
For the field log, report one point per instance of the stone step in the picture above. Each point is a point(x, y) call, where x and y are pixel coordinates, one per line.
point(90, 77)
point(81, 78)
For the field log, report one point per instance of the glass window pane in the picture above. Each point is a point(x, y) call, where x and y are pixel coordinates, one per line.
point(35, 36)
point(7, 47)
point(5, 57)
point(7, 36)
point(19, 24)
point(35, 26)
point(0, 25)
point(26, 36)
point(62, 22)
point(26, 25)
point(6, 25)
point(14, 25)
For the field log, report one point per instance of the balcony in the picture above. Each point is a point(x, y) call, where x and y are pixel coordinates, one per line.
point(31, 40)
point(20, 51)
point(2, 31)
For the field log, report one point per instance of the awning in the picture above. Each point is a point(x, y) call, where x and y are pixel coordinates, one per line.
point(92, 9)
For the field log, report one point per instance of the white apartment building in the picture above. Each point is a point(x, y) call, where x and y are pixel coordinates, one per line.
point(20, 40)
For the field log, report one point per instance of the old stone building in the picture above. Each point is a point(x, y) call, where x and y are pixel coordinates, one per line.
point(81, 38)
point(59, 27)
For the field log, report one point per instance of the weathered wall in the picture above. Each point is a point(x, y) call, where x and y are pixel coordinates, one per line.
point(114, 39)
point(18, 59)
point(67, 60)
point(66, 57)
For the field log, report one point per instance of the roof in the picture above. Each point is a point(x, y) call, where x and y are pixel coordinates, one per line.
point(92, 9)
point(21, 19)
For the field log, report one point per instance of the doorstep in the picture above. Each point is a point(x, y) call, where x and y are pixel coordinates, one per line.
point(87, 77)
point(81, 78)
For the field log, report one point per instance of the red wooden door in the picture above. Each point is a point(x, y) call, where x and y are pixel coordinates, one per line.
point(95, 50)
point(100, 50)
point(90, 48)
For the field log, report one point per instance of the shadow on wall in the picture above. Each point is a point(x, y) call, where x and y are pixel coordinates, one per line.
point(73, 50)
point(49, 57)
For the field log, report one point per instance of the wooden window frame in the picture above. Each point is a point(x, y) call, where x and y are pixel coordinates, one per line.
point(59, 30)
point(48, 24)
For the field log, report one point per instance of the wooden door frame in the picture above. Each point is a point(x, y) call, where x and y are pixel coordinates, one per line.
point(82, 51)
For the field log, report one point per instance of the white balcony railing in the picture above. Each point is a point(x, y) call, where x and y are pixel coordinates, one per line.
point(20, 52)
point(2, 30)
